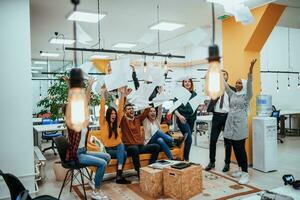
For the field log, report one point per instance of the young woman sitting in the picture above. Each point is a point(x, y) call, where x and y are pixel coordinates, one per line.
point(110, 137)
point(153, 134)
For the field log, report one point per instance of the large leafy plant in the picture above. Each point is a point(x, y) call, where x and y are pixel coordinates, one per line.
point(57, 98)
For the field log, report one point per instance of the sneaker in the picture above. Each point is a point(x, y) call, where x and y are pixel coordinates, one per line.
point(244, 178)
point(236, 174)
point(99, 195)
point(92, 184)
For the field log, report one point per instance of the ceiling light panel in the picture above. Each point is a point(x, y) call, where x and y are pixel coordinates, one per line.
point(124, 45)
point(166, 26)
point(46, 54)
point(40, 62)
point(61, 41)
point(85, 17)
point(37, 68)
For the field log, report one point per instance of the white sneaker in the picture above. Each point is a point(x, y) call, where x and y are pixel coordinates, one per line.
point(244, 178)
point(92, 184)
point(237, 173)
point(99, 195)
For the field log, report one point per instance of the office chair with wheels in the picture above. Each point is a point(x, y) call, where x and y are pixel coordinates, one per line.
point(276, 114)
point(17, 189)
point(50, 135)
point(62, 144)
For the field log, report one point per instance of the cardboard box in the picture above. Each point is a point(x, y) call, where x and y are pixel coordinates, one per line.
point(151, 181)
point(182, 184)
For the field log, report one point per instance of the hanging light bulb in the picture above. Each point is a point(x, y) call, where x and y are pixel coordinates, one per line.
point(145, 67)
point(166, 65)
point(289, 84)
point(277, 89)
point(77, 116)
point(277, 83)
point(214, 83)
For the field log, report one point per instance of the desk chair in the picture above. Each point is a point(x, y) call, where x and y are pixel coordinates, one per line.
point(276, 114)
point(62, 144)
point(50, 135)
point(17, 189)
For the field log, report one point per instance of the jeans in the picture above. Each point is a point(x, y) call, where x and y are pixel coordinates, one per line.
point(161, 138)
point(186, 128)
point(218, 124)
point(135, 150)
point(118, 152)
point(99, 160)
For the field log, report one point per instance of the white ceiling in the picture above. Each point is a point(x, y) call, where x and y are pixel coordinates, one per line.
point(128, 21)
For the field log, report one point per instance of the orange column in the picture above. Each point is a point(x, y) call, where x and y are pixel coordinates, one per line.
point(243, 43)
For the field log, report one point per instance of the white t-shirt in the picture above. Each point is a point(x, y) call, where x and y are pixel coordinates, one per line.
point(225, 108)
point(153, 128)
point(82, 138)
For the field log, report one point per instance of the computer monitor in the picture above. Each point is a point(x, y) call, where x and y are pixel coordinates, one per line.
point(275, 114)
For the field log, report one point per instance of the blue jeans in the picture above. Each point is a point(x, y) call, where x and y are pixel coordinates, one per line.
point(118, 152)
point(161, 138)
point(99, 160)
point(186, 128)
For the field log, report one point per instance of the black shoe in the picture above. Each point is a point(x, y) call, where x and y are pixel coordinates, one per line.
point(122, 181)
point(210, 166)
point(226, 168)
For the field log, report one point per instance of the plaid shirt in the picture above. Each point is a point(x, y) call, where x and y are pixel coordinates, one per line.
point(74, 140)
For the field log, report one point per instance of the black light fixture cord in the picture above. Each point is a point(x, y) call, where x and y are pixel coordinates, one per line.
point(75, 38)
point(213, 22)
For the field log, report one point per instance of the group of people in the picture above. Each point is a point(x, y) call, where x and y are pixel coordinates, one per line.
point(121, 129)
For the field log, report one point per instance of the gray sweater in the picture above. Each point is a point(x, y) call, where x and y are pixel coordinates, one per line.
point(236, 127)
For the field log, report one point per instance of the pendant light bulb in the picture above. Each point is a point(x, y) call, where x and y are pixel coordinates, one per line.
point(166, 65)
point(289, 86)
point(145, 67)
point(214, 83)
point(77, 116)
point(277, 89)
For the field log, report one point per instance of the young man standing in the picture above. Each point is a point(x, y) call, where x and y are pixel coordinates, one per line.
point(220, 109)
point(134, 139)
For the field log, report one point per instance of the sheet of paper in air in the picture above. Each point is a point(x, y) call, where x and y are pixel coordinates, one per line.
point(119, 76)
point(86, 67)
point(160, 99)
point(157, 75)
point(175, 106)
point(181, 93)
point(195, 102)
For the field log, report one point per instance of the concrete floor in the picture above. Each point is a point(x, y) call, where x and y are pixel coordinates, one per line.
point(288, 163)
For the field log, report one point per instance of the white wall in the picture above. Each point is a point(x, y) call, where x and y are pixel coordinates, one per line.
point(275, 57)
point(16, 143)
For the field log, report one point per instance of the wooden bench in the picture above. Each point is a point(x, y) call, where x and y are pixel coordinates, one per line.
point(144, 158)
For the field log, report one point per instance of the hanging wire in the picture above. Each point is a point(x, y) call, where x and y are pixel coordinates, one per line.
point(213, 22)
point(75, 37)
point(158, 34)
point(99, 26)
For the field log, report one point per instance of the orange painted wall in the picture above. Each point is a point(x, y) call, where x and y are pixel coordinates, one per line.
point(241, 44)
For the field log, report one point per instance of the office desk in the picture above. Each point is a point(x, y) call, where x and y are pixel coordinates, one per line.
point(39, 129)
point(203, 118)
point(37, 121)
point(290, 113)
point(284, 190)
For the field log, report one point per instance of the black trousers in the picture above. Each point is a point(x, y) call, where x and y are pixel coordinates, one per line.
point(240, 153)
point(218, 124)
point(135, 150)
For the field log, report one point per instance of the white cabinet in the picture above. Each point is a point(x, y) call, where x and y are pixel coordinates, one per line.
point(264, 143)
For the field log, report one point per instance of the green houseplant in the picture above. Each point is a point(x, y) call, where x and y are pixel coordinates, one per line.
point(57, 97)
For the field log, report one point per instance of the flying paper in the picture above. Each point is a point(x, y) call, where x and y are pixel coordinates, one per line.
point(118, 77)
point(195, 102)
point(175, 106)
point(181, 94)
